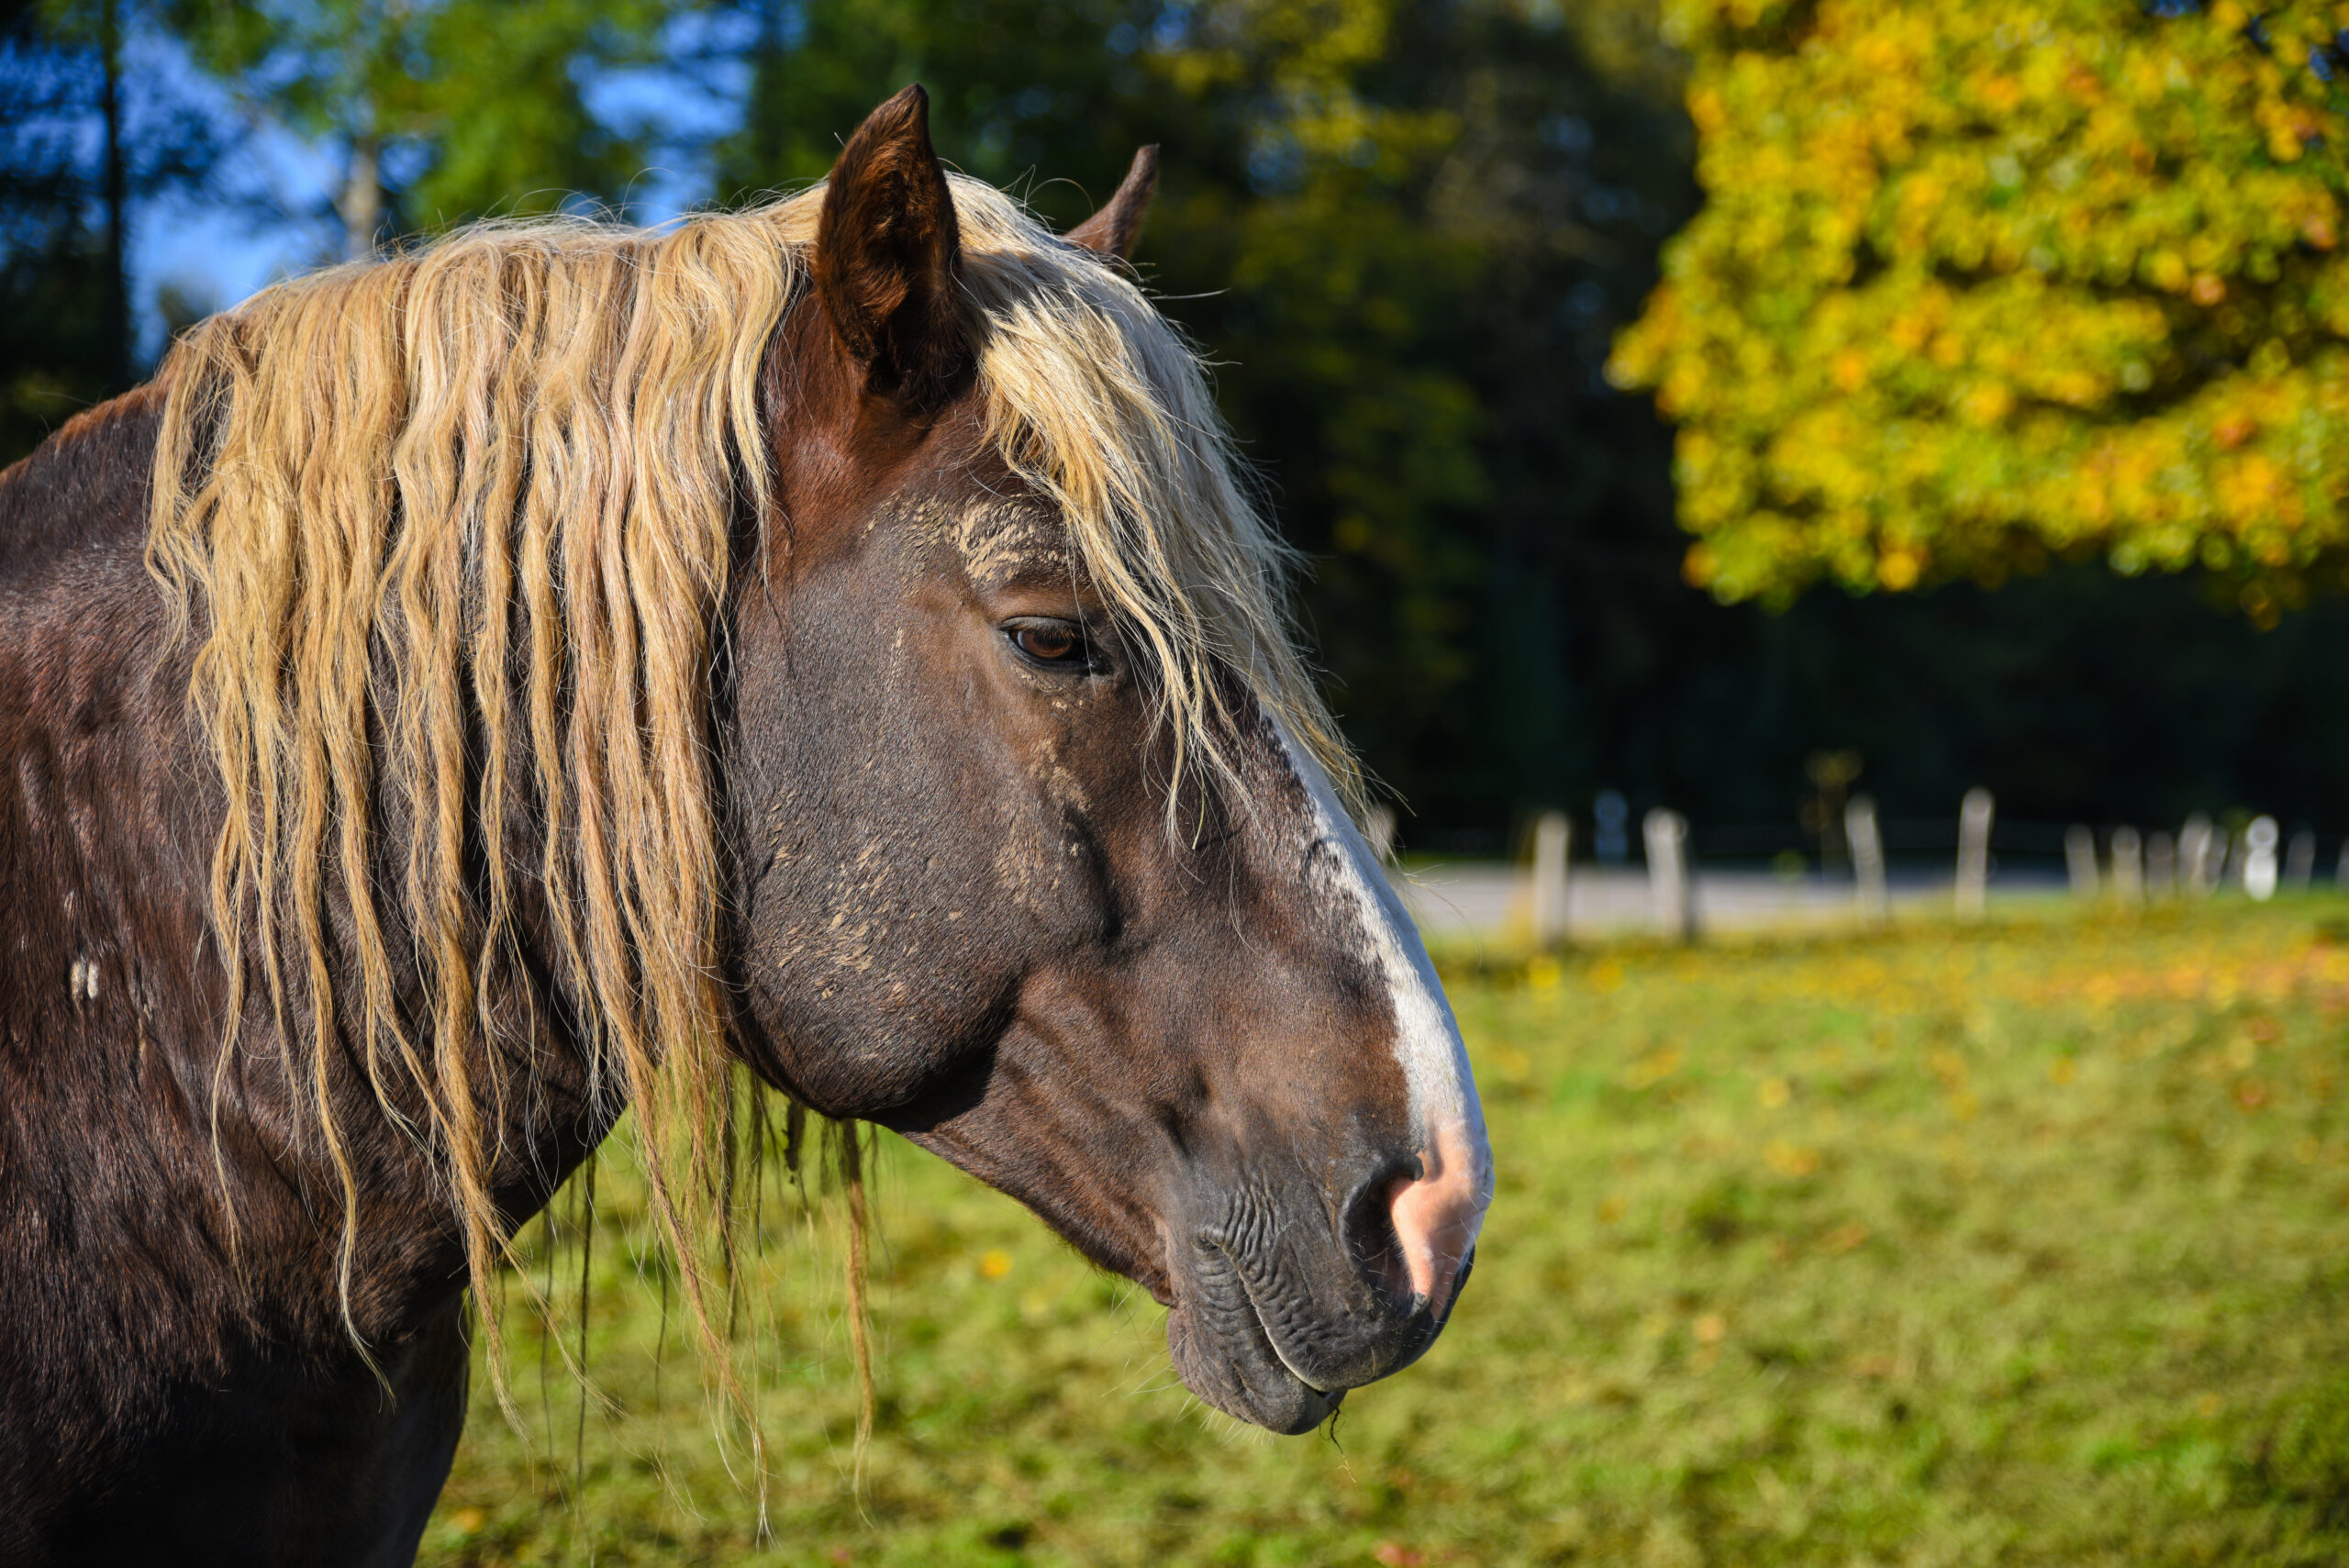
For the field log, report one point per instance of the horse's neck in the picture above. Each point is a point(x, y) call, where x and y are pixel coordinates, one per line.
point(103, 838)
point(112, 991)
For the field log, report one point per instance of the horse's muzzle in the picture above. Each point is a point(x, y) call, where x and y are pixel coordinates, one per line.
point(1285, 1299)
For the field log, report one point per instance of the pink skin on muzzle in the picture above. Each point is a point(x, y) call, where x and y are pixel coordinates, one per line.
point(1437, 1217)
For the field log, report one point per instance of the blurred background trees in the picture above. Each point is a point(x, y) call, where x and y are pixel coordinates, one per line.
point(1408, 231)
point(436, 113)
point(84, 139)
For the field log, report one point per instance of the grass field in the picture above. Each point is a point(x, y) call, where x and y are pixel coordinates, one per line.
point(2024, 1244)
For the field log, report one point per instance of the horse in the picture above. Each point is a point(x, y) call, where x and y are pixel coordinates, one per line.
point(564, 669)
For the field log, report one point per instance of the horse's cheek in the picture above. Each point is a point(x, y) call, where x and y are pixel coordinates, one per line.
point(876, 957)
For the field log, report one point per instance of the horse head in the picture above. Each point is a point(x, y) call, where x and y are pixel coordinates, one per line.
point(1040, 859)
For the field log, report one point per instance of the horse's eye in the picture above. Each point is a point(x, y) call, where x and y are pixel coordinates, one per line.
point(1051, 642)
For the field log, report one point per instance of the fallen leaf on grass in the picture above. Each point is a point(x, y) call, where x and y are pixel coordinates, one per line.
point(1653, 1069)
point(1843, 1238)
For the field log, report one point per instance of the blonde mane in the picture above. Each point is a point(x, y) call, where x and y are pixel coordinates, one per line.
point(453, 531)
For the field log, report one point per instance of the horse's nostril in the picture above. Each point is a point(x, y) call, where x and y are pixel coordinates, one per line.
point(1435, 1217)
point(1370, 1238)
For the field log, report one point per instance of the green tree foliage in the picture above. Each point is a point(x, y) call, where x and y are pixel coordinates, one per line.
point(1407, 231)
point(442, 110)
point(1979, 285)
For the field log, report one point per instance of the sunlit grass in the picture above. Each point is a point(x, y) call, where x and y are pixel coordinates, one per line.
point(2021, 1245)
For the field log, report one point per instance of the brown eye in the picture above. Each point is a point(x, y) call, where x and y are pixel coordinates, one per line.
point(1050, 643)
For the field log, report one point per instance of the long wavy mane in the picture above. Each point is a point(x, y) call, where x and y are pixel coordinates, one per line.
point(452, 531)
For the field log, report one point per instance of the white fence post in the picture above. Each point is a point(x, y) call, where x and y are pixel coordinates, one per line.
point(2259, 842)
point(2079, 859)
point(1667, 845)
point(2193, 855)
point(1974, 816)
point(2128, 866)
point(2161, 863)
point(1378, 832)
point(1552, 838)
point(1874, 890)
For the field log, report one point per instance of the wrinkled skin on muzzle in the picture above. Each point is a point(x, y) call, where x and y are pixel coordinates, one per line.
point(1183, 1018)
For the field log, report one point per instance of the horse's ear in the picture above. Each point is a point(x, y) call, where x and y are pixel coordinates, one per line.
point(889, 256)
point(1113, 230)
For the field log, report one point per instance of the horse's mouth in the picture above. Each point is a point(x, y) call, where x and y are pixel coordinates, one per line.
point(1227, 1355)
point(1244, 1374)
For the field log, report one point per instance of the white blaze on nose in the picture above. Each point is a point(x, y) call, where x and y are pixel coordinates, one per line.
point(1436, 1217)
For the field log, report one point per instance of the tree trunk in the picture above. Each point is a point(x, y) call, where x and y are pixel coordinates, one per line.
point(361, 203)
point(115, 329)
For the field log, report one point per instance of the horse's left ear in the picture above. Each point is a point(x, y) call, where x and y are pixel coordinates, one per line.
point(889, 255)
point(1113, 230)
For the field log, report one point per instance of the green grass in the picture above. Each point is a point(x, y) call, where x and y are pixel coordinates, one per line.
point(2026, 1244)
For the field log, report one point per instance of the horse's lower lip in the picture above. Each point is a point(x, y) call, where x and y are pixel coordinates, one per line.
point(1225, 1358)
point(1264, 1333)
point(1329, 1398)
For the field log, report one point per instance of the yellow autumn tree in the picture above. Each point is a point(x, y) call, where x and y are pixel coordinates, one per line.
point(1979, 285)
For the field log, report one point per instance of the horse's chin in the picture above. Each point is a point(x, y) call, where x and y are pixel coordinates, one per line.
point(1233, 1366)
